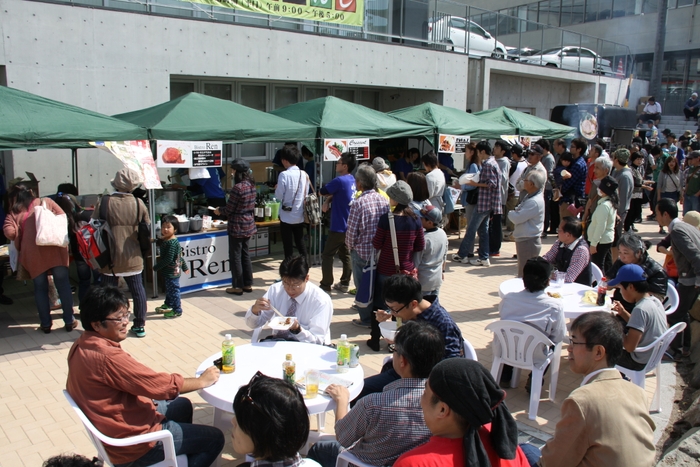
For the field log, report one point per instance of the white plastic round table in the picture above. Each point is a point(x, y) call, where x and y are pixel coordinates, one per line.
point(267, 357)
point(572, 295)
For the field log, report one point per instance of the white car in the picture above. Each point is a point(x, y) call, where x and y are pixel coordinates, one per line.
point(452, 30)
point(572, 58)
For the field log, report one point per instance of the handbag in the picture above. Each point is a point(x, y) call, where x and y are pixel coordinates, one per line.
point(365, 292)
point(312, 209)
point(473, 196)
point(394, 246)
point(51, 229)
point(670, 266)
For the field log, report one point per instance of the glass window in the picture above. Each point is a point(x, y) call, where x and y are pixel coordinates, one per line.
point(532, 17)
point(476, 29)
point(684, 2)
point(549, 12)
point(254, 96)
point(586, 53)
point(179, 89)
point(370, 99)
point(315, 93)
point(578, 8)
point(221, 91)
point(345, 94)
point(605, 9)
point(566, 12)
point(650, 6)
point(286, 95)
point(591, 11)
point(457, 23)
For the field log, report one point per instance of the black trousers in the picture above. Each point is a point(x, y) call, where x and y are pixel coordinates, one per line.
point(687, 295)
point(602, 257)
point(293, 234)
point(241, 266)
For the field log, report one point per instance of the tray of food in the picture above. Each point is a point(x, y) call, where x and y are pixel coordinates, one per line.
point(218, 224)
point(281, 323)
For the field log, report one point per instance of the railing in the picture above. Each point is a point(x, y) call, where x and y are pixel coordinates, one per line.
point(437, 24)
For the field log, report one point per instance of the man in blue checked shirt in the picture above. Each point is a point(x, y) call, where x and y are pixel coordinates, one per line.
point(382, 426)
point(575, 179)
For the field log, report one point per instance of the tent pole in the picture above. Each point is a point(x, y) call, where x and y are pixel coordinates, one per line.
point(152, 217)
point(74, 163)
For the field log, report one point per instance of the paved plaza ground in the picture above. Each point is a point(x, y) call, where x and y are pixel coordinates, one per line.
point(36, 421)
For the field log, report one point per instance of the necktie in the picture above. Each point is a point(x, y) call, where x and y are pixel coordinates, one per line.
point(292, 312)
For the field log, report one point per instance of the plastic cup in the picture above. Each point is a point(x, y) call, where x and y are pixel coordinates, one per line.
point(559, 281)
point(312, 380)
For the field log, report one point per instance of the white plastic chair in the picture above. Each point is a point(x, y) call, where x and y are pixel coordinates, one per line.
point(672, 299)
point(658, 348)
point(596, 273)
point(469, 351)
point(518, 344)
point(98, 440)
point(346, 458)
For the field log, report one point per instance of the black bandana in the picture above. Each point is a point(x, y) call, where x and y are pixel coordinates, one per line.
point(469, 389)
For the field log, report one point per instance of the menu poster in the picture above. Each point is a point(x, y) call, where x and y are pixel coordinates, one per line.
point(188, 154)
point(359, 147)
point(333, 148)
point(206, 154)
point(136, 155)
point(452, 143)
point(527, 141)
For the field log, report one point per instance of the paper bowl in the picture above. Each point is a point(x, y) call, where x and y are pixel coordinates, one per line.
point(388, 329)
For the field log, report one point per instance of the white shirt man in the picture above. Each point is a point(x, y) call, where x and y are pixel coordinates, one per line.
point(295, 296)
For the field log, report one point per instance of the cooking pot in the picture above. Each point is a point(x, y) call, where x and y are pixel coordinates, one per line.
point(195, 224)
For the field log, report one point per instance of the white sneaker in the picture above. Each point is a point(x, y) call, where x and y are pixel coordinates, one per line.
point(480, 262)
point(459, 259)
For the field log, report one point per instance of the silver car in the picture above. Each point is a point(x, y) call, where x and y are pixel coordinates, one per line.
point(572, 58)
point(452, 30)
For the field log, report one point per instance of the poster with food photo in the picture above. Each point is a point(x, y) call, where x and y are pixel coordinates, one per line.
point(588, 126)
point(333, 148)
point(527, 141)
point(137, 156)
point(446, 143)
point(175, 154)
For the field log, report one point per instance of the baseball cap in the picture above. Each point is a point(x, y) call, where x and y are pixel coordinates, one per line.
point(240, 165)
point(431, 213)
point(628, 273)
point(536, 148)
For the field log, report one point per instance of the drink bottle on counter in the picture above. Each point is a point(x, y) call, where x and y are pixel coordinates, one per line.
point(343, 360)
point(289, 370)
point(228, 355)
point(602, 291)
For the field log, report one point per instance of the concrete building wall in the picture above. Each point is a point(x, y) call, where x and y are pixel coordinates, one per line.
point(113, 62)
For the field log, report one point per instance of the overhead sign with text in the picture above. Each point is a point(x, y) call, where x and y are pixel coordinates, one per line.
point(188, 154)
point(333, 148)
point(350, 12)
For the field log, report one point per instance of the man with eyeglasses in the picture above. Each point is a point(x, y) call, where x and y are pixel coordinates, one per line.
point(605, 421)
point(124, 398)
point(382, 426)
point(404, 299)
point(309, 307)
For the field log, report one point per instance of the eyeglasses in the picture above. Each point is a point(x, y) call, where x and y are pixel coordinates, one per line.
point(289, 285)
point(255, 377)
point(392, 310)
point(572, 342)
point(123, 318)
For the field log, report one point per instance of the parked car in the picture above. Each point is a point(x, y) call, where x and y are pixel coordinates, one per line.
point(515, 53)
point(572, 58)
point(452, 30)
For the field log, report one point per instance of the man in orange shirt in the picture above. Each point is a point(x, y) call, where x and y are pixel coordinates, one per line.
point(124, 398)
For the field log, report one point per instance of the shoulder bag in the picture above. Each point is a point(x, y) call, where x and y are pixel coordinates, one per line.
point(144, 229)
point(51, 229)
point(394, 245)
point(312, 210)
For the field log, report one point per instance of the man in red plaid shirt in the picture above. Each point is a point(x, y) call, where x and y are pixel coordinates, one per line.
point(489, 202)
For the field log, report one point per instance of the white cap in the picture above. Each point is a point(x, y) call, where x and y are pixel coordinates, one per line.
point(228, 337)
point(343, 337)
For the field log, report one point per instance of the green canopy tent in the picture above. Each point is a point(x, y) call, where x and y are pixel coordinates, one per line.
point(525, 124)
point(34, 122)
point(449, 121)
point(337, 118)
point(196, 117)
